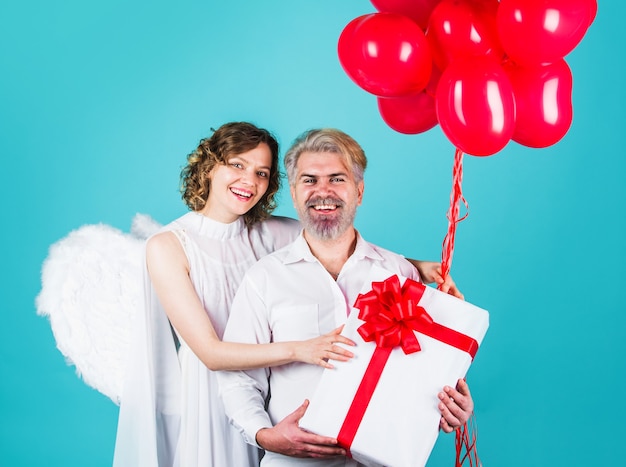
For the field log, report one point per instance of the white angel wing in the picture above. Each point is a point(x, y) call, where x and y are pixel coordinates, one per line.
point(91, 286)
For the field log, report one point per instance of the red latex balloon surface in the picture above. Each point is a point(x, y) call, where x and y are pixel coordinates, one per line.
point(463, 28)
point(418, 10)
point(543, 96)
point(593, 10)
point(475, 106)
point(409, 115)
point(542, 31)
point(386, 54)
point(487, 71)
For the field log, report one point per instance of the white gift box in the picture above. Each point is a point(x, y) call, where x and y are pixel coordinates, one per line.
point(400, 423)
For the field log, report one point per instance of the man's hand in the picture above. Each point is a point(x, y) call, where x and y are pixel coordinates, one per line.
point(456, 406)
point(289, 439)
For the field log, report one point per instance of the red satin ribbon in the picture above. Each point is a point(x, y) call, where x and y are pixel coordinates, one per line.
point(392, 314)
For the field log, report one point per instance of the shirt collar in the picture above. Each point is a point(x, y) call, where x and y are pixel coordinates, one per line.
point(300, 251)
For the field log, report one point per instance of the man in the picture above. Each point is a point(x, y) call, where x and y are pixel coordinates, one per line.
point(306, 289)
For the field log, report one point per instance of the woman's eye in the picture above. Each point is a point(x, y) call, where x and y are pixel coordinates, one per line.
point(263, 174)
point(236, 165)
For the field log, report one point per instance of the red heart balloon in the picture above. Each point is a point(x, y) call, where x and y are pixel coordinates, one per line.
point(418, 10)
point(386, 54)
point(463, 28)
point(409, 115)
point(475, 106)
point(543, 102)
point(536, 32)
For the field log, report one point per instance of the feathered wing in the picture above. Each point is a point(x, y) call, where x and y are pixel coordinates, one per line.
point(91, 287)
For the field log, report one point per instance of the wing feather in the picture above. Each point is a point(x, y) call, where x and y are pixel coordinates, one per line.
point(91, 287)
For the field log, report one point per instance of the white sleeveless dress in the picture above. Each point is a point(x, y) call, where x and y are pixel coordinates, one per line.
point(170, 412)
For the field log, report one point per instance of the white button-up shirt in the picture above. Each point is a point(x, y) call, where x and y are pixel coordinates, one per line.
point(289, 296)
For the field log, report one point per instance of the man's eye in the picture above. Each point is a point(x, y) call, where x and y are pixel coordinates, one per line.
point(336, 179)
point(308, 180)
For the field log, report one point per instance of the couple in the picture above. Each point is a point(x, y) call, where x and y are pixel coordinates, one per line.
point(170, 411)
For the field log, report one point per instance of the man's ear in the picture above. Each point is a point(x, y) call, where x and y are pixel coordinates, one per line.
point(292, 190)
point(360, 187)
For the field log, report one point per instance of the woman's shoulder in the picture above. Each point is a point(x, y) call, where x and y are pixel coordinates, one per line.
point(281, 222)
point(277, 231)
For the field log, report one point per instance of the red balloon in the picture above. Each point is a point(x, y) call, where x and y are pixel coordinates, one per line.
point(593, 10)
point(543, 102)
point(386, 54)
point(475, 106)
point(435, 76)
point(542, 31)
point(409, 115)
point(418, 10)
point(463, 28)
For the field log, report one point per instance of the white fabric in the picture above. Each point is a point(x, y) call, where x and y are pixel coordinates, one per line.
point(170, 414)
point(289, 296)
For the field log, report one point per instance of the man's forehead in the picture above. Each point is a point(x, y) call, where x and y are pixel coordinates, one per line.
point(321, 163)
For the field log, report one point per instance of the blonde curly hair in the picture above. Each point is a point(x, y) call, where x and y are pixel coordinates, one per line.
point(229, 140)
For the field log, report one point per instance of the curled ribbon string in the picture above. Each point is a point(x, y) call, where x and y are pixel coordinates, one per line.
point(465, 438)
point(456, 196)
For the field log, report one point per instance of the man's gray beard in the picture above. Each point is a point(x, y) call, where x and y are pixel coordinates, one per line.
point(327, 229)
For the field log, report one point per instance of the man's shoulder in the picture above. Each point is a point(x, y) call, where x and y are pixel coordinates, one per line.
point(384, 252)
point(391, 260)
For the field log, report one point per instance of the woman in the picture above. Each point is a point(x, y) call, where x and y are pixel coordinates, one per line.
point(170, 412)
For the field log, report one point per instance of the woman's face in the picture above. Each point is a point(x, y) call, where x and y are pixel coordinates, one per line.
point(236, 187)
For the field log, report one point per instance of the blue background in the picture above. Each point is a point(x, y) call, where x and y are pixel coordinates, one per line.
point(101, 101)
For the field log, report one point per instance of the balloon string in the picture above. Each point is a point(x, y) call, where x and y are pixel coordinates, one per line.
point(465, 436)
point(456, 196)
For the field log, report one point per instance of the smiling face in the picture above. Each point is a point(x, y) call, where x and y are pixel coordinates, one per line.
point(235, 187)
point(326, 194)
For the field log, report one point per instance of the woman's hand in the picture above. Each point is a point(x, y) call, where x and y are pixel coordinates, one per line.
point(430, 272)
point(323, 348)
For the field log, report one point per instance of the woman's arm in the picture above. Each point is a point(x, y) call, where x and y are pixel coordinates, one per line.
point(169, 272)
point(430, 271)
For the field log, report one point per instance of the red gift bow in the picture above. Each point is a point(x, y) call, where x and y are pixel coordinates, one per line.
point(391, 314)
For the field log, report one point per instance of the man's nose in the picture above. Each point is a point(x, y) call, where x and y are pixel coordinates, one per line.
point(324, 186)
